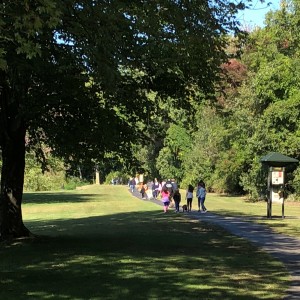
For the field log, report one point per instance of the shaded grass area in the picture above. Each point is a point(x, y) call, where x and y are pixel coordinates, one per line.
point(119, 247)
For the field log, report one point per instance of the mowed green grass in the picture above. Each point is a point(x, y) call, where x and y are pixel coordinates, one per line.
point(102, 243)
point(257, 212)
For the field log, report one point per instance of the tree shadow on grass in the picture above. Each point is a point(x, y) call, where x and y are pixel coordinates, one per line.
point(60, 197)
point(136, 255)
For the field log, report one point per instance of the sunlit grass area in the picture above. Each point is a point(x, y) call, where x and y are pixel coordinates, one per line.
point(257, 212)
point(102, 243)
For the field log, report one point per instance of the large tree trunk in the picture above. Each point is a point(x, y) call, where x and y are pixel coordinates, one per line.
point(12, 175)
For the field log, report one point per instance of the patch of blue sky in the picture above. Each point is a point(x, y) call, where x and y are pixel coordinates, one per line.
point(255, 16)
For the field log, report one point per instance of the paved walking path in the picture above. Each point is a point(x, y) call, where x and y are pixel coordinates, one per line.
point(283, 247)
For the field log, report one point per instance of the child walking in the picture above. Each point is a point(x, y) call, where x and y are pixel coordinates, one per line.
point(165, 198)
point(143, 190)
point(189, 197)
point(177, 199)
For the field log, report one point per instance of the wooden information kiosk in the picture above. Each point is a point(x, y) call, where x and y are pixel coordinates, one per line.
point(277, 164)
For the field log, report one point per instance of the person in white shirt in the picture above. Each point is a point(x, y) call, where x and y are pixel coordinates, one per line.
point(189, 197)
point(201, 195)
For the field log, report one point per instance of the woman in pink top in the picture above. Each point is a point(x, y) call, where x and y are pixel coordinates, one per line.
point(165, 198)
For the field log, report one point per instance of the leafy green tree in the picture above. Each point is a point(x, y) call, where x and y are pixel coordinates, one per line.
point(295, 182)
point(76, 76)
point(272, 55)
point(207, 143)
point(167, 111)
point(53, 178)
point(278, 130)
point(177, 143)
point(256, 111)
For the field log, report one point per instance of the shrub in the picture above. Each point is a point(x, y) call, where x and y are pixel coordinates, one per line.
point(71, 183)
point(122, 177)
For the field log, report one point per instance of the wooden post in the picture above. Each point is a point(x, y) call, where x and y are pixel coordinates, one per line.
point(97, 177)
point(269, 205)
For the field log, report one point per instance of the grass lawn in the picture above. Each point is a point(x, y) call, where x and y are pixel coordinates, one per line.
point(102, 243)
point(257, 212)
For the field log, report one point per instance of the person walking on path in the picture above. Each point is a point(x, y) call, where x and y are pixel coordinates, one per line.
point(189, 197)
point(155, 188)
point(132, 184)
point(169, 186)
point(201, 195)
point(143, 190)
point(177, 199)
point(165, 198)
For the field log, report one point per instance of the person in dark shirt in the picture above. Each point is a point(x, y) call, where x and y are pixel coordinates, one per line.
point(177, 199)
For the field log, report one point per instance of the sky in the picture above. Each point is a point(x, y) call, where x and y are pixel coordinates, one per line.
point(251, 18)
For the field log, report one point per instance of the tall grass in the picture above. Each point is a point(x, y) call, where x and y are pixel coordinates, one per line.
point(102, 243)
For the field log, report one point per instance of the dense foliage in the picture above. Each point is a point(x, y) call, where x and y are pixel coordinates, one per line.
point(257, 111)
point(85, 78)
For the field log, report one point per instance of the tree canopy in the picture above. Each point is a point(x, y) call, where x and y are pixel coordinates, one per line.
point(256, 111)
point(77, 75)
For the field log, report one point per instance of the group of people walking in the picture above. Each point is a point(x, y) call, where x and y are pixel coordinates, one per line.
point(169, 193)
point(200, 195)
